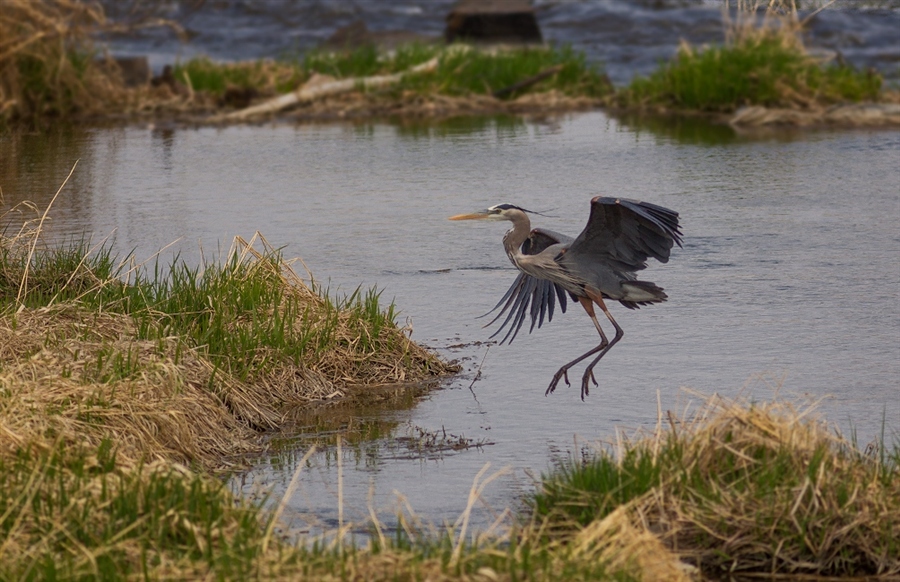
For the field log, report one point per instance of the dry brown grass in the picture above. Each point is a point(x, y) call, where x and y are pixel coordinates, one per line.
point(779, 21)
point(50, 66)
point(52, 388)
point(38, 76)
point(54, 362)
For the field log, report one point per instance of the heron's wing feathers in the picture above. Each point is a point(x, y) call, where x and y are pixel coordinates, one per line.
point(624, 233)
point(529, 296)
point(541, 238)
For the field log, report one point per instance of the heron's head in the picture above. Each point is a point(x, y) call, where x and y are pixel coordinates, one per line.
point(498, 212)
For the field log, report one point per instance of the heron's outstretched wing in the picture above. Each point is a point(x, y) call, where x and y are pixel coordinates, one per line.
point(529, 295)
point(623, 233)
point(541, 238)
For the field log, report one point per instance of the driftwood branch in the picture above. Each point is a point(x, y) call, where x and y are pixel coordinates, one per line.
point(307, 93)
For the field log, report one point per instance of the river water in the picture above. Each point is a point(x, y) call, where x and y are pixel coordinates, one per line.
point(628, 36)
point(788, 282)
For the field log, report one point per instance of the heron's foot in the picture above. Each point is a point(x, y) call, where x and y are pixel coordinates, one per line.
point(562, 373)
point(585, 385)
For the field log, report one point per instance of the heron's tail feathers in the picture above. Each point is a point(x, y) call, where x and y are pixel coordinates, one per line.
point(639, 293)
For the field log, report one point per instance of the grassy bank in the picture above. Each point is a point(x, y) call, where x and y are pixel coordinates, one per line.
point(84, 330)
point(743, 489)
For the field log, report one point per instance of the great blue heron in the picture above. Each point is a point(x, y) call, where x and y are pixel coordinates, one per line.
point(601, 263)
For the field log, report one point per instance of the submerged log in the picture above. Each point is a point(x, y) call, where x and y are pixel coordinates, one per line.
point(317, 88)
point(493, 21)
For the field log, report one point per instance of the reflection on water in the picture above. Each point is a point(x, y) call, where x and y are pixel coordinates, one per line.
point(685, 130)
point(501, 125)
point(789, 279)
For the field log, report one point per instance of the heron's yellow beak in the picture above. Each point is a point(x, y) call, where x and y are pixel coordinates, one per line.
point(473, 216)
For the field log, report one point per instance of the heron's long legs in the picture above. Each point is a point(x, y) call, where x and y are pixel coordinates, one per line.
point(564, 371)
point(589, 371)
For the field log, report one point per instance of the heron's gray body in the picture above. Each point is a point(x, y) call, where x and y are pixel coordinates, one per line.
point(600, 263)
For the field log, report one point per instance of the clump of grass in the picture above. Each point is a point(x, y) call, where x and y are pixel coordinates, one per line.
point(264, 76)
point(466, 71)
point(765, 72)
point(743, 488)
point(762, 63)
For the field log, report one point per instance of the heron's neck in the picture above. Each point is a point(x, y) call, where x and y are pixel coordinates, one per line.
point(514, 237)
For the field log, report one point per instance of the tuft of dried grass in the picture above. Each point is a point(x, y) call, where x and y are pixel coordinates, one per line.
point(46, 64)
point(762, 488)
point(627, 546)
point(50, 65)
point(755, 21)
point(781, 492)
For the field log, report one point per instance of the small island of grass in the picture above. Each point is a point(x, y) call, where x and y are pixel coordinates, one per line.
point(50, 69)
